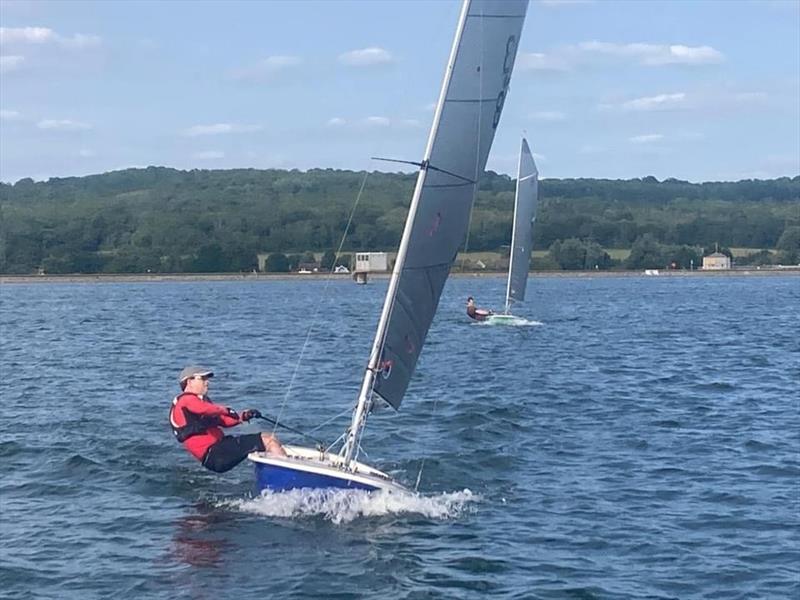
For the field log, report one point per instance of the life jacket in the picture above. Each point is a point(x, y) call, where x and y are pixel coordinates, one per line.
point(195, 424)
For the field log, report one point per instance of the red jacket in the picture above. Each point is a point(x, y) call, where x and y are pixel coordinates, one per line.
point(201, 419)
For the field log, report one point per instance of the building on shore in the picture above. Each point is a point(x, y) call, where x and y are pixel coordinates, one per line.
point(716, 262)
point(369, 262)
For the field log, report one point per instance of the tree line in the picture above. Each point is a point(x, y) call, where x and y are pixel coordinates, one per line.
point(165, 220)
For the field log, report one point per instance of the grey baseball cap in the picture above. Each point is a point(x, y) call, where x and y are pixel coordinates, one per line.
point(194, 371)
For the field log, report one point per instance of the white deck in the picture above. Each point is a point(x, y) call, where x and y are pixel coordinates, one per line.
point(311, 460)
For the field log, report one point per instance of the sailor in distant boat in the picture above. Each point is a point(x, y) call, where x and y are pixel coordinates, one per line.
point(473, 312)
point(196, 422)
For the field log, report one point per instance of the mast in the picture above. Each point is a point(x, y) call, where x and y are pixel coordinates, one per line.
point(365, 394)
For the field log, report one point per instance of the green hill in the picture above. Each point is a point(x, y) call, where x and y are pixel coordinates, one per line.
point(165, 220)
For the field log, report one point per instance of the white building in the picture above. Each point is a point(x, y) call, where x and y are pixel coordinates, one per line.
point(716, 262)
point(371, 262)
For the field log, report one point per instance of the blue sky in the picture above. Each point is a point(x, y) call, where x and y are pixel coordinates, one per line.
point(702, 91)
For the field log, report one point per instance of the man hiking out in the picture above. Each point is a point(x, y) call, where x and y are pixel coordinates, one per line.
point(196, 423)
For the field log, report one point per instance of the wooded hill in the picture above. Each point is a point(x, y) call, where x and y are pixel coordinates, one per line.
point(165, 220)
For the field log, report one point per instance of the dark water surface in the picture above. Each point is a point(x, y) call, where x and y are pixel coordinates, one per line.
point(641, 441)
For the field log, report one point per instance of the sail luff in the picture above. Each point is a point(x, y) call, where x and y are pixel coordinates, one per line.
point(362, 408)
point(522, 232)
point(514, 234)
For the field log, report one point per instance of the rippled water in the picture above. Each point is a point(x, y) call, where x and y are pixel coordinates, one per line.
point(640, 441)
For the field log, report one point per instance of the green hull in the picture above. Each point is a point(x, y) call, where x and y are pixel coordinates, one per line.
point(504, 320)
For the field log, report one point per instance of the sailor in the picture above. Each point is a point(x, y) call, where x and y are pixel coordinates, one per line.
point(196, 423)
point(473, 312)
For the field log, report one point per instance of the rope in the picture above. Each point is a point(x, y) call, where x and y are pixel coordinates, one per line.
point(346, 410)
point(319, 304)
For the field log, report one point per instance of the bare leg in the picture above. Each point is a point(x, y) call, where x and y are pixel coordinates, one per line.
point(272, 444)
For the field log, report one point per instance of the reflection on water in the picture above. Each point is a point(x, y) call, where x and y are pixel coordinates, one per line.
point(198, 541)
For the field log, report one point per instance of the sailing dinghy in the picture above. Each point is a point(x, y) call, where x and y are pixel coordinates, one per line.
point(470, 103)
point(521, 237)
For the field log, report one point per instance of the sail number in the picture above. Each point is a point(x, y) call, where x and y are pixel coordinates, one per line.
point(508, 62)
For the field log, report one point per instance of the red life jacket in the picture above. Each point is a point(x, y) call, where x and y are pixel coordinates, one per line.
point(194, 424)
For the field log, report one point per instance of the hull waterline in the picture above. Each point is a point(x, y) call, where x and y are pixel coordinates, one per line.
point(307, 468)
point(504, 320)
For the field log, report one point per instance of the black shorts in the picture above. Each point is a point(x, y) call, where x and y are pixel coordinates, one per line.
point(231, 450)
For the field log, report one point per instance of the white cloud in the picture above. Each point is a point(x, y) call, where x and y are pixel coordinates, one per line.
point(208, 155)
point(654, 54)
point(538, 61)
point(86, 153)
point(43, 35)
point(336, 122)
point(268, 68)
point(26, 35)
point(684, 55)
point(659, 102)
point(9, 115)
point(366, 57)
point(80, 41)
point(647, 138)
point(10, 62)
point(549, 115)
point(702, 99)
point(62, 125)
point(377, 122)
point(219, 129)
point(595, 53)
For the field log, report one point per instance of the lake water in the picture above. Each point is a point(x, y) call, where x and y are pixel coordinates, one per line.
point(639, 439)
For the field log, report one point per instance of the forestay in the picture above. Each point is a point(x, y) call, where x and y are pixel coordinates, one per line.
point(466, 118)
point(522, 232)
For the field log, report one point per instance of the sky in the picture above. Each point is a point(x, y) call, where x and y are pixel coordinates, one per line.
point(696, 90)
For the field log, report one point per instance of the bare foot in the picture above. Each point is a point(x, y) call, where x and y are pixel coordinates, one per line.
point(272, 445)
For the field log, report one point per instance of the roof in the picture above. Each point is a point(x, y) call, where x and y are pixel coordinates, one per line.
point(717, 255)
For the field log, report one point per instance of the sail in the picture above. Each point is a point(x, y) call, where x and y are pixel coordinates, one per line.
point(470, 104)
point(522, 232)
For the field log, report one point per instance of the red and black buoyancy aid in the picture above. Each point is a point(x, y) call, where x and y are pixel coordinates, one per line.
point(195, 424)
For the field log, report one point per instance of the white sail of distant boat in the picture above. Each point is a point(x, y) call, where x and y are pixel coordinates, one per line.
point(525, 203)
point(470, 103)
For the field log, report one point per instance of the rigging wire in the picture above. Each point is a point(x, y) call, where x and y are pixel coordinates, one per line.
point(319, 304)
point(333, 418)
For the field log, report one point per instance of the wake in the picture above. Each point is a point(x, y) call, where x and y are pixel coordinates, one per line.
point(516, 322)
point(344, 506)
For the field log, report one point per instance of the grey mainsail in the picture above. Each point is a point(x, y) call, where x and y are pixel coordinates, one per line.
point(467, 114)
point(458, 149)
point(522, 232)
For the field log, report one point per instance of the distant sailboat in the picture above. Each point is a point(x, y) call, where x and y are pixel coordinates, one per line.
point(521, 236)
point(470, 104)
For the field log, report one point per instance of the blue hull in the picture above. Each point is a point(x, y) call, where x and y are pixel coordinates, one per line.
point(281, 479)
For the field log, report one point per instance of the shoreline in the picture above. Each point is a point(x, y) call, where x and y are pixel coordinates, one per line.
point(195, 277)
